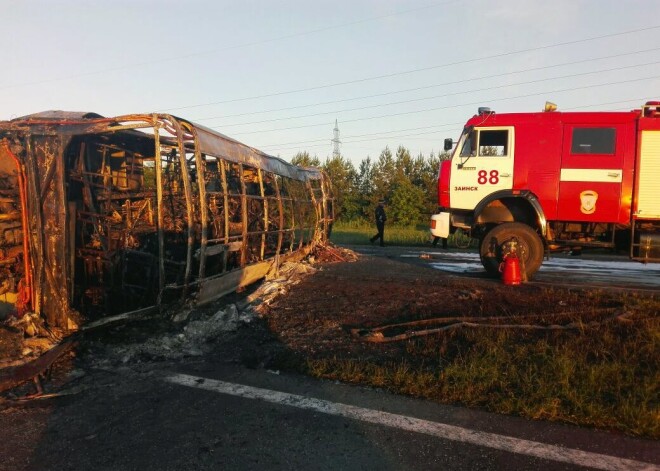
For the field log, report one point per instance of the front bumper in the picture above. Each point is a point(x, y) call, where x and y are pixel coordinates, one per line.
point(440, 225)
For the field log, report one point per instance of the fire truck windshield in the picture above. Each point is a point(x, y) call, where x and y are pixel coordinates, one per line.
point(468, 144)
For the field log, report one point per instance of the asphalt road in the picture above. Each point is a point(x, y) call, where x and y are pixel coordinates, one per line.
point(203, 415)
point(601, 271)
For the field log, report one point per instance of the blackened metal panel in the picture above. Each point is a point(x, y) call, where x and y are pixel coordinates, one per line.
point(210, 142)
point(59, 115)
point(213, 288)
point(48, 216)
point(215, 144)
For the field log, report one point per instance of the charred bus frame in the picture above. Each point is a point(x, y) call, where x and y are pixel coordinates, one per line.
point(106, 215)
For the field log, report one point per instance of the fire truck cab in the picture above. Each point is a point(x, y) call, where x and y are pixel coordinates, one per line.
point(554, 180)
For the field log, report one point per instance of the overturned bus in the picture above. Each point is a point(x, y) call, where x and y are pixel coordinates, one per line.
point(101, 216)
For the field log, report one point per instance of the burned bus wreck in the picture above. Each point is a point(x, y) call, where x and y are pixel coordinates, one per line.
point(100, 216)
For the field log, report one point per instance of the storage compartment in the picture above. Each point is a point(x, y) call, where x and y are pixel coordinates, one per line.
point(648, 247)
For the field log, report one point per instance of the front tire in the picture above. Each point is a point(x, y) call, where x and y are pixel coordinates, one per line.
point(530, 247)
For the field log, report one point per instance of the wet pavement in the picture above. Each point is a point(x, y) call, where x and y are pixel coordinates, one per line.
point(603, 271)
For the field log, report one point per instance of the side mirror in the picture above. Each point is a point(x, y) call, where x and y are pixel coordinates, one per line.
point(449, 143)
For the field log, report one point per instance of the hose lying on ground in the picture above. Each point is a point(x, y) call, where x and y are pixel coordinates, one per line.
point(377, 334)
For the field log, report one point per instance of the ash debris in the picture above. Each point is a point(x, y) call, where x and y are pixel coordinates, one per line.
point(194, 332)
point(231, 329)
point(25, 339)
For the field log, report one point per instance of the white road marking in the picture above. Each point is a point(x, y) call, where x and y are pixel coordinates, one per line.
point(411, 424)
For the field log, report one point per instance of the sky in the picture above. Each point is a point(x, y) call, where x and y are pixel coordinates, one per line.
point(276, 74)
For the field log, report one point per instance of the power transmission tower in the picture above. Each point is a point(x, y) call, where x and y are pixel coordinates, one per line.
point(335, 141)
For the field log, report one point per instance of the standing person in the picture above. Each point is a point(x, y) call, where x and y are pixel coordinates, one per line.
point(381, 217)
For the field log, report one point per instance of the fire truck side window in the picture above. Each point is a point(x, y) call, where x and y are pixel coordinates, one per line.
point(593, 141)
point(494, 143)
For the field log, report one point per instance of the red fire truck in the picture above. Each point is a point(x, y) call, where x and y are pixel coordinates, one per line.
point(546, 181)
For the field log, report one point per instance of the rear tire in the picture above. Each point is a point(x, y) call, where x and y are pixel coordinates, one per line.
point(530, 247)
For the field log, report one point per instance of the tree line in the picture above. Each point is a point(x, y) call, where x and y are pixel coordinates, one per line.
point(408, 185)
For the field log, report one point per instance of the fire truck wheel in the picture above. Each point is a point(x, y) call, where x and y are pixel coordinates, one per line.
point(530, 247)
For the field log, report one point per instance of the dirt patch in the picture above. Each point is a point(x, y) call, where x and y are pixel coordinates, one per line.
point(579, 355)
point(11, 344)
point(317, 315)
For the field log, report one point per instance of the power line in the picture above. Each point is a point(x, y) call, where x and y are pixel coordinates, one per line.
point(236, 46)
point(349, 141)
point(634, 100)
point(408, 136)
point(411, 71)
point(363, 135)
point(412, 100)
point(454, 106)
point(483, 77)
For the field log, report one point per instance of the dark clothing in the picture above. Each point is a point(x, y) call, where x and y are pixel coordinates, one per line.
point(444, 242)
point(380, 227)
point(381, 217)
point(380, 214)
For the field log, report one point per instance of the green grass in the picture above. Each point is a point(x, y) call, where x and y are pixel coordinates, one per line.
point(604, 375)
point(359, 232)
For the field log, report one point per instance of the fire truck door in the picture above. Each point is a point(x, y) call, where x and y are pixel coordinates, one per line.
point(482, 165)
point(591, 173)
